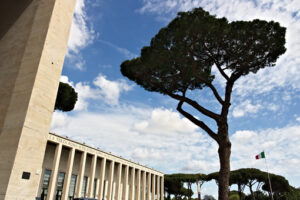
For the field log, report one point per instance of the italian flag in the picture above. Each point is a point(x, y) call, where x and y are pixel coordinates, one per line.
point(261, 155)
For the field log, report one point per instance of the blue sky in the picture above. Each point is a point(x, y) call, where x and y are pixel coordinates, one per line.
point(120, 117)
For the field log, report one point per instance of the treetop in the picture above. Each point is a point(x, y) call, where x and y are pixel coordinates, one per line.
point(180, 56)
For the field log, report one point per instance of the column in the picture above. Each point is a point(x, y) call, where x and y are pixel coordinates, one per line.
point(92, 176)
point(66, 187)
point(110, 180)
point(87, 187)
point(97, 188)
point(153, 187)
point(157, 187)
point(148, 185)
point(131, 191)
point(162, 188)
point(118, 184)
point(144, 185)
point(81, 175)
point(102, 176)
point(138, 185)
point(54, 172)
point(125, 183)
point(105, 197)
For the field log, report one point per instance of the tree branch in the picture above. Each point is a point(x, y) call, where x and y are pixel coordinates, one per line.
point(222, 72)
point(214, 90)
point(216, 62)
point(195, 105)
point(199, 123)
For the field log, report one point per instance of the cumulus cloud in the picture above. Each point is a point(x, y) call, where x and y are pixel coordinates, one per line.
point(165, 122)
point(59, 120)
point(281, 147)
point(286, 73)
point(101, 90)
point(244, 108)
point(110, 90)
point(160, 138)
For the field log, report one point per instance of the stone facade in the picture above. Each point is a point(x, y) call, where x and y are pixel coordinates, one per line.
point(71, 169)
point(33, 43)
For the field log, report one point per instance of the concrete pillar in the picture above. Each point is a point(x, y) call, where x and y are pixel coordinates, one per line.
point(157, 187)
point(153, 187)
point(105, 197)
point(118, 183)
point(148, 185)
point(113, 191)
point(66, 187)
point(97, 188)
point(138, 185)
point(32, 50)
point(102, 176)
point(125, 183)
point(80, 175)
point(92, 176)
point(132, 184)
point(162, 188)
point(53, 179)
point(110, 180)
point(144, 185)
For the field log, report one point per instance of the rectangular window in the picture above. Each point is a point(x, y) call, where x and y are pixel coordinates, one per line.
point(72, 186)
point(60, 180)
point(60, 185)
point(46, 181)
point(84, 185)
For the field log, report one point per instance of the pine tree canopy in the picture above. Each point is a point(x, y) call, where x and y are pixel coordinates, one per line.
point(180, 56)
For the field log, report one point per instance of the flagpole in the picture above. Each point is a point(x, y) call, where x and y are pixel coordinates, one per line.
point(269, 177)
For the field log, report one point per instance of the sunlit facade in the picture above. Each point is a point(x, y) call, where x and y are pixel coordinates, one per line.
point(71, 169)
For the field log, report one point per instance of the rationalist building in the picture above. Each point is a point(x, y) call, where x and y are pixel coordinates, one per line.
point(71, 169)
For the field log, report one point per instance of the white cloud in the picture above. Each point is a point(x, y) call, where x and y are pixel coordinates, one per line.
point(102, 90)
point(59, 120)
point(244, 108)
point(165, 122)
point(281, 147)
point(65, 79)
point(81, 34)
point(85, 93)
point(110, 90)
point(80, 65)
point(286, 73)
point(179, 148)
point(197, 166)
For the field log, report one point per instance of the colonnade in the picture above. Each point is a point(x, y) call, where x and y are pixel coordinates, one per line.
point(100, 175)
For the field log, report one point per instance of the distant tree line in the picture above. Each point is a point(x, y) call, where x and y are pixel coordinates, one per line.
point(255, 180)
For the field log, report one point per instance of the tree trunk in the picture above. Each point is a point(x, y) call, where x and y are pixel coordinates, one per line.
point(224, 174)
point(189, 190)
point(251, 192)
point(240, 191)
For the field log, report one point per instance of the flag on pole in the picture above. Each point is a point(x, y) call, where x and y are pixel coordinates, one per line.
point(261, 155)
